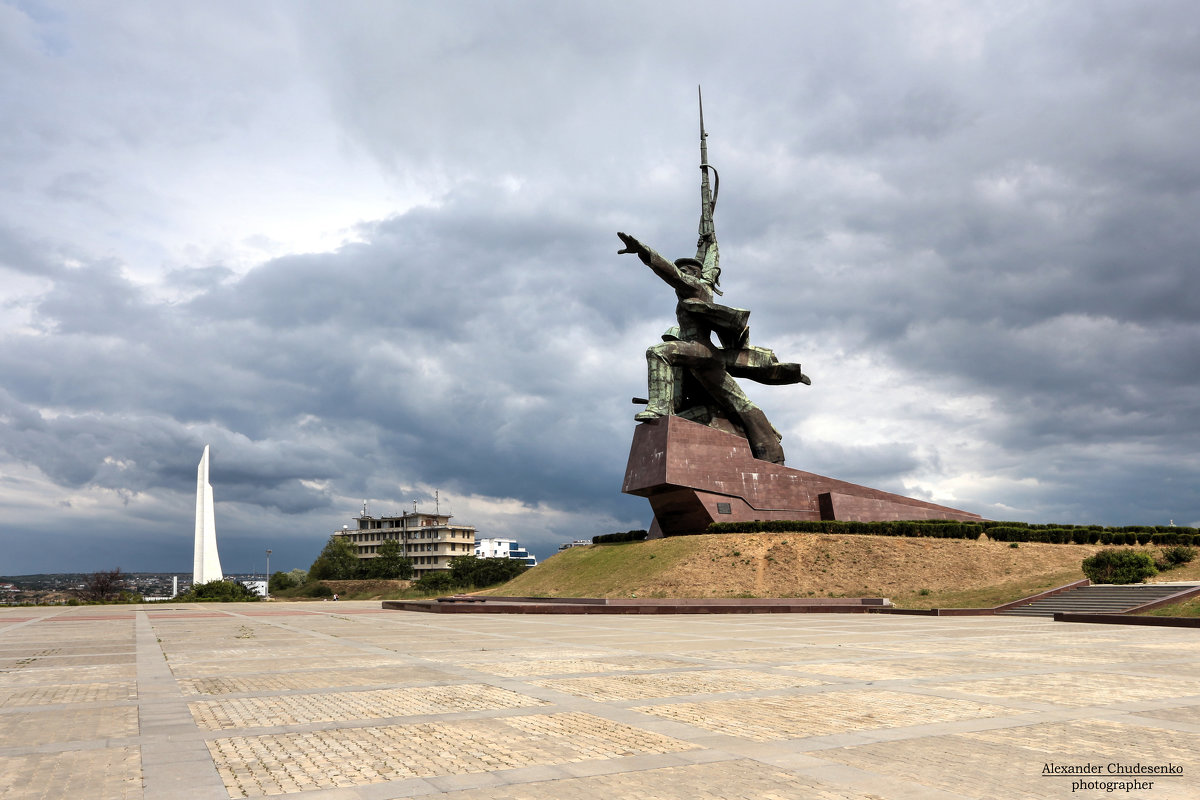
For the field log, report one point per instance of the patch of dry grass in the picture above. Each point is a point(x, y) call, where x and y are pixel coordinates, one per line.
point(912, 572)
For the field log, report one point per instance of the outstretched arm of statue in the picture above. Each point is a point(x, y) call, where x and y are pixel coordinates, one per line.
point(661, 266)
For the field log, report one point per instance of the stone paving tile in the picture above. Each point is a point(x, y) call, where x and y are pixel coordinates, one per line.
point(95, 673)
point(71, 648)
point(764, 719)
point(1098, 739)
point(520, 654)
point(67, 693)
point(900, 669)
point(1190, 646)
point(1187, 714)
point(1074, 656)
point(57, 661)
point(272, 665)
point(396, 675)
point(28, 728)
point(950, 648)
point(280, 763)
point(1078, 688)
point(767, 655)
point(567, 666)
point(641, 687)
point(728, 780)
point(1006, 764)
point(239, 654)
point(298, 709)
point(111, 773)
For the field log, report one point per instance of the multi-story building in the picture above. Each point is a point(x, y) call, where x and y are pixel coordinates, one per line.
point(428, 539)
point(503, 548)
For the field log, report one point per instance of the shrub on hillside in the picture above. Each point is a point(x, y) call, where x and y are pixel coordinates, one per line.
point(1172, 557)
point(1119, 566)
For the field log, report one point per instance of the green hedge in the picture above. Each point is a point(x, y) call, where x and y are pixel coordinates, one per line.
point(938, 529)
point(997, 531)
point(625, 536)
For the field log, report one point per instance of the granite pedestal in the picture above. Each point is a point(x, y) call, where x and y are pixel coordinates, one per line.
point(694, 475)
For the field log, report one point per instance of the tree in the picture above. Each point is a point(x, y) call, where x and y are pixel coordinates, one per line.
point(436, 582)
point(101, 586)
point(337, 562)
point(280, 581)
point(390, 563)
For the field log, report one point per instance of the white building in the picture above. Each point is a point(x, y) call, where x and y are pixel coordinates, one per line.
point(503, 548)
point(256, 586)
point(430, 540)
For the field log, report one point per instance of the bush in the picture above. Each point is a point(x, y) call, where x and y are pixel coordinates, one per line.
point(316, 589)
point(219, 592)
point(1173, 557)
point(1119, 566)
point(436, 582)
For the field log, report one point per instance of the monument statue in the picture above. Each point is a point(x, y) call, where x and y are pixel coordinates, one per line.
point(689, 376)
point(703, 451)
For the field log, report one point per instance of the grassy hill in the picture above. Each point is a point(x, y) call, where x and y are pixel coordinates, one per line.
point(912, 572)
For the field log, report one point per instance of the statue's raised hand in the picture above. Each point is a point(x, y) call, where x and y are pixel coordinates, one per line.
point(632, 245)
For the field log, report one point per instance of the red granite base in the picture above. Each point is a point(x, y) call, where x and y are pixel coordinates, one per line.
point(482, 604)
point(694, 475)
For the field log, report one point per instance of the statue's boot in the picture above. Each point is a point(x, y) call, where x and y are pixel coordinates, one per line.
point(660, 381)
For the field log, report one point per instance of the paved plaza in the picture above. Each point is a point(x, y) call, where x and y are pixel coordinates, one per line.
point(346, 701)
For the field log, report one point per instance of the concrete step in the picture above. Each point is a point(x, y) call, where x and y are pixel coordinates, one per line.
point(1098, 599)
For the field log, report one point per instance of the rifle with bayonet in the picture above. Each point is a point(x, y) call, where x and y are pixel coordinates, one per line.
point(708, 252)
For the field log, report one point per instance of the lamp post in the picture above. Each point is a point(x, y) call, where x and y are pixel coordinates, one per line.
point(267, 591)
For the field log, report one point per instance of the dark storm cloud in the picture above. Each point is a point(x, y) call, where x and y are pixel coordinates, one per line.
point(935, 202)
point(463, 356)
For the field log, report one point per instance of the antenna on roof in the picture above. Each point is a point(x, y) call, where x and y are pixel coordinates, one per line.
point(364, 508)
point(437, 503)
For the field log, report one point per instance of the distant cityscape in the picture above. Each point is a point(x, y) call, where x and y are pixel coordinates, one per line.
point(61, 587)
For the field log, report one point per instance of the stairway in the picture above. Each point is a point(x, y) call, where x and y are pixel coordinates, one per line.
point(1101, 599)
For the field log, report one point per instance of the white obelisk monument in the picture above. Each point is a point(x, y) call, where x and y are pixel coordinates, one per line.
point(206, 564)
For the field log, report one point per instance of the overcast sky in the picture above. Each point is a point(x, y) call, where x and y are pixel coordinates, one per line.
point(368, 251)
